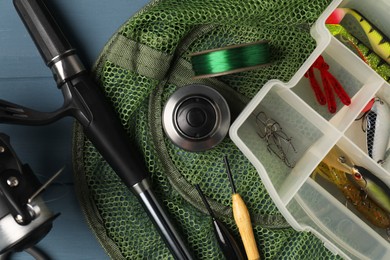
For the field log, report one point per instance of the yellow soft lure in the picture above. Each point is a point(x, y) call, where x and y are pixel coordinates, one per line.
point(365, 53)
point(379, 42)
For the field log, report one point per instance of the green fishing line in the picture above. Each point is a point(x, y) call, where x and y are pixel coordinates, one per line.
point(230, 59)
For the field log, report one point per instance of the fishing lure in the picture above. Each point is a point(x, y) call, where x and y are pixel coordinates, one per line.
point(379, 42)
point(366, 54)
point(330, 84)
point(375, 189)
point(337, 159)
point(370, 185)
point(363, 204)
point(386, 163)
point(376, 125)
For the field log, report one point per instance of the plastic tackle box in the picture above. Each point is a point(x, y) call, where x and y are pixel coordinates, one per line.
point(309, 205)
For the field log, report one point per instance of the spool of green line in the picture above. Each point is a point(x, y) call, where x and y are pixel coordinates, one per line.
point(230, 59)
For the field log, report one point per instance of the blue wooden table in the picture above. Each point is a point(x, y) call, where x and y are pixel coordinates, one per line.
point(25, 80)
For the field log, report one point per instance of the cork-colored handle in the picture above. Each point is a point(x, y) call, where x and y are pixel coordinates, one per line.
point(243, 221)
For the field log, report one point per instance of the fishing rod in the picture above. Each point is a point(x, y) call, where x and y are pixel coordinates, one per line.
point(84, 101)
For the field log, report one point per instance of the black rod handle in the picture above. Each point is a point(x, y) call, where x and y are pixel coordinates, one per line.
point(43, 29)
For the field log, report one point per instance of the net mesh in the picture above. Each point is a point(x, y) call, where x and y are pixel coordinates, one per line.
point(143, 64)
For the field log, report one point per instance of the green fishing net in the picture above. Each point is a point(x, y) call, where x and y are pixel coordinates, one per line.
point(145, 61)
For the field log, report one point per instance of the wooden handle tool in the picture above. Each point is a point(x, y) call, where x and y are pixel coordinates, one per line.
point(243, 220)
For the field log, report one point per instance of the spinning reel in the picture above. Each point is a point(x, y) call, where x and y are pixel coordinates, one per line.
point(24, 217)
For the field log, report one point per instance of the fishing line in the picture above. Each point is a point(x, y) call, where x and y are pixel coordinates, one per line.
point(52, 193)
point(56, 196)
point(230, 59)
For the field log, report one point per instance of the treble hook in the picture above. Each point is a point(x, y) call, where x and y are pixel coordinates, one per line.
point(277, 140)
point(388, 233)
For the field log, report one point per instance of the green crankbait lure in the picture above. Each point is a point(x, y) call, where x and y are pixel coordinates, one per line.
point(372, 186)
point(367, 55)
point(366, 206)
point(379, 42)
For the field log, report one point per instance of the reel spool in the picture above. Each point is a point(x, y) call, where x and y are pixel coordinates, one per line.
point(196, 118)
point(24, 217)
